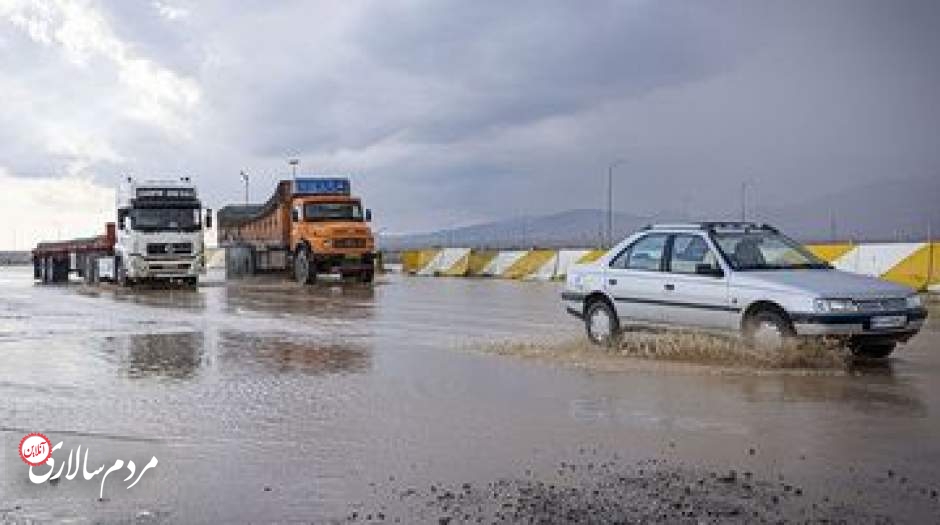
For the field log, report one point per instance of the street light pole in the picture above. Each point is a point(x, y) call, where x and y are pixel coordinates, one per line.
point(293, 164)
point(245, 180)
point(744, 201)
point(610, 201)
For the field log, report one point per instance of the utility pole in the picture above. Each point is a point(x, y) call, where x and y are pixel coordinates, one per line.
point(293, 164)
point(832, 225)
point(744, 201)
point(929, 252)
point(610, 201)
point(245, 180)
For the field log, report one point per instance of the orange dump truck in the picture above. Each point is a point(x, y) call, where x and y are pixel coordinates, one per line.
point(309, 226)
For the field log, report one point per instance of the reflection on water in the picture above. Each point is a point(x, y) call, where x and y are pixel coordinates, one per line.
point(174, 356)
point(868, 387)
point(280, 297)
point(274, 353)
point(175, 298)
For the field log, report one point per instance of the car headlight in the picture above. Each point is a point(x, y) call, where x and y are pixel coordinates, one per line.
point(835, 306)
point(915, 301)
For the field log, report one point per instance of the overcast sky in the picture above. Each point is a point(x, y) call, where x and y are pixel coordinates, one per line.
point(449, 113)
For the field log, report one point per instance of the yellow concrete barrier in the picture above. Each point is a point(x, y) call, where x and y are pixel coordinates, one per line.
point(528, 264)
point(829, 252)
point(478, 260)
point(413, 261)
point(913, 264)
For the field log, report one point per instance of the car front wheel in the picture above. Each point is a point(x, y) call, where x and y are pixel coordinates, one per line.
point(768, 330)
point(603, 327)
point(872, 350)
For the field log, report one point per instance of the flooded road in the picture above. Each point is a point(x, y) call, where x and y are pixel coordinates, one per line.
point(264, 401)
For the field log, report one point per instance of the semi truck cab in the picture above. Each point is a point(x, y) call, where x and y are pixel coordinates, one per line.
point(159, 231)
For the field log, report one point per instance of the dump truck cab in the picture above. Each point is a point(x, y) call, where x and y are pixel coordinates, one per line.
point(331, 225)
point(329, 230)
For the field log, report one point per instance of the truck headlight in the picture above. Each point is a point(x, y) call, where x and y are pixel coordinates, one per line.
point(915, 301)
point(835, 306)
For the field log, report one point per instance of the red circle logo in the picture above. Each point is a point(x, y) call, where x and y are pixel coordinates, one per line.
point(35, 449)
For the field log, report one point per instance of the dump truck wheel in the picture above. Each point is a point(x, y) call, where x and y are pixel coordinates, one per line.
point(304, 270)
point(367, 276)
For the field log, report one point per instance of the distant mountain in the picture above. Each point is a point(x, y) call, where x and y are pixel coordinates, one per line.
point(898, 210)
point(572, 228)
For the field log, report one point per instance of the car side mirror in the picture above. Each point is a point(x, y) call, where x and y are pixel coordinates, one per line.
point(294, 215)
point(368, 215)
point(208, 222)
point(707, 269)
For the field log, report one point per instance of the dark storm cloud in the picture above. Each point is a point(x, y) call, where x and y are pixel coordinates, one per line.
point(455, 69)
point(449, 111)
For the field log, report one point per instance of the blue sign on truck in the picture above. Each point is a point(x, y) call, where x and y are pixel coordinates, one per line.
point(321, 186)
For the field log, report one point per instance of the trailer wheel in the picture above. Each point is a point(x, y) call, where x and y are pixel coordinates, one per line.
point(89, 269)
point(304, 270)
point(49, 266)
point(120, 272)
point(44, 270)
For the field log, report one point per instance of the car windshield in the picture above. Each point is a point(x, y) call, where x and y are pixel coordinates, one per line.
point(185, 219)
point(765, 250)
point(333, 211)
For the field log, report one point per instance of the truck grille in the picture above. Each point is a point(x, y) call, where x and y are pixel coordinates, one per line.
point(349, 243)
point(881, 305)
point(160, 248)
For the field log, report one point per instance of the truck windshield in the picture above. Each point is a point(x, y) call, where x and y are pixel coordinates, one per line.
point(333, 211)
point(176, 219)
point(765, 250)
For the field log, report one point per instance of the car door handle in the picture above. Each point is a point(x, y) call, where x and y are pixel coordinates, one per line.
point(612, 282)
point(669, 287)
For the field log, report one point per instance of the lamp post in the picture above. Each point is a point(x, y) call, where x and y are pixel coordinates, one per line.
point(610, 200)
point(245, 180)
point(293, 164)
point(744, 201)
point(745, 186)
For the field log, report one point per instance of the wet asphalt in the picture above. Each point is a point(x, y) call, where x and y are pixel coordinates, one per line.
point(268, 402)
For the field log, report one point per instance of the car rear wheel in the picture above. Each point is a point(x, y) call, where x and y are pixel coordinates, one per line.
point(768, 330)
point(872, 350)
point(602, 324)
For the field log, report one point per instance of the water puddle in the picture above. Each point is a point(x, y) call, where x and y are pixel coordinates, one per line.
point(690, 351)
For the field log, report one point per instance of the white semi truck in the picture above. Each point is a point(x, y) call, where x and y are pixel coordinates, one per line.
point(158, 236)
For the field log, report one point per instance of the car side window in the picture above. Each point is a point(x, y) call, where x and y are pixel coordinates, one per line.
point(689, 252)
point(645, 253)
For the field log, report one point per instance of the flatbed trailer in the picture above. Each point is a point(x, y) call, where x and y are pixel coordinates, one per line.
point(88, 257)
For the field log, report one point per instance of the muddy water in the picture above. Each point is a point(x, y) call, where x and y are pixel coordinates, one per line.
point(267, 402)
